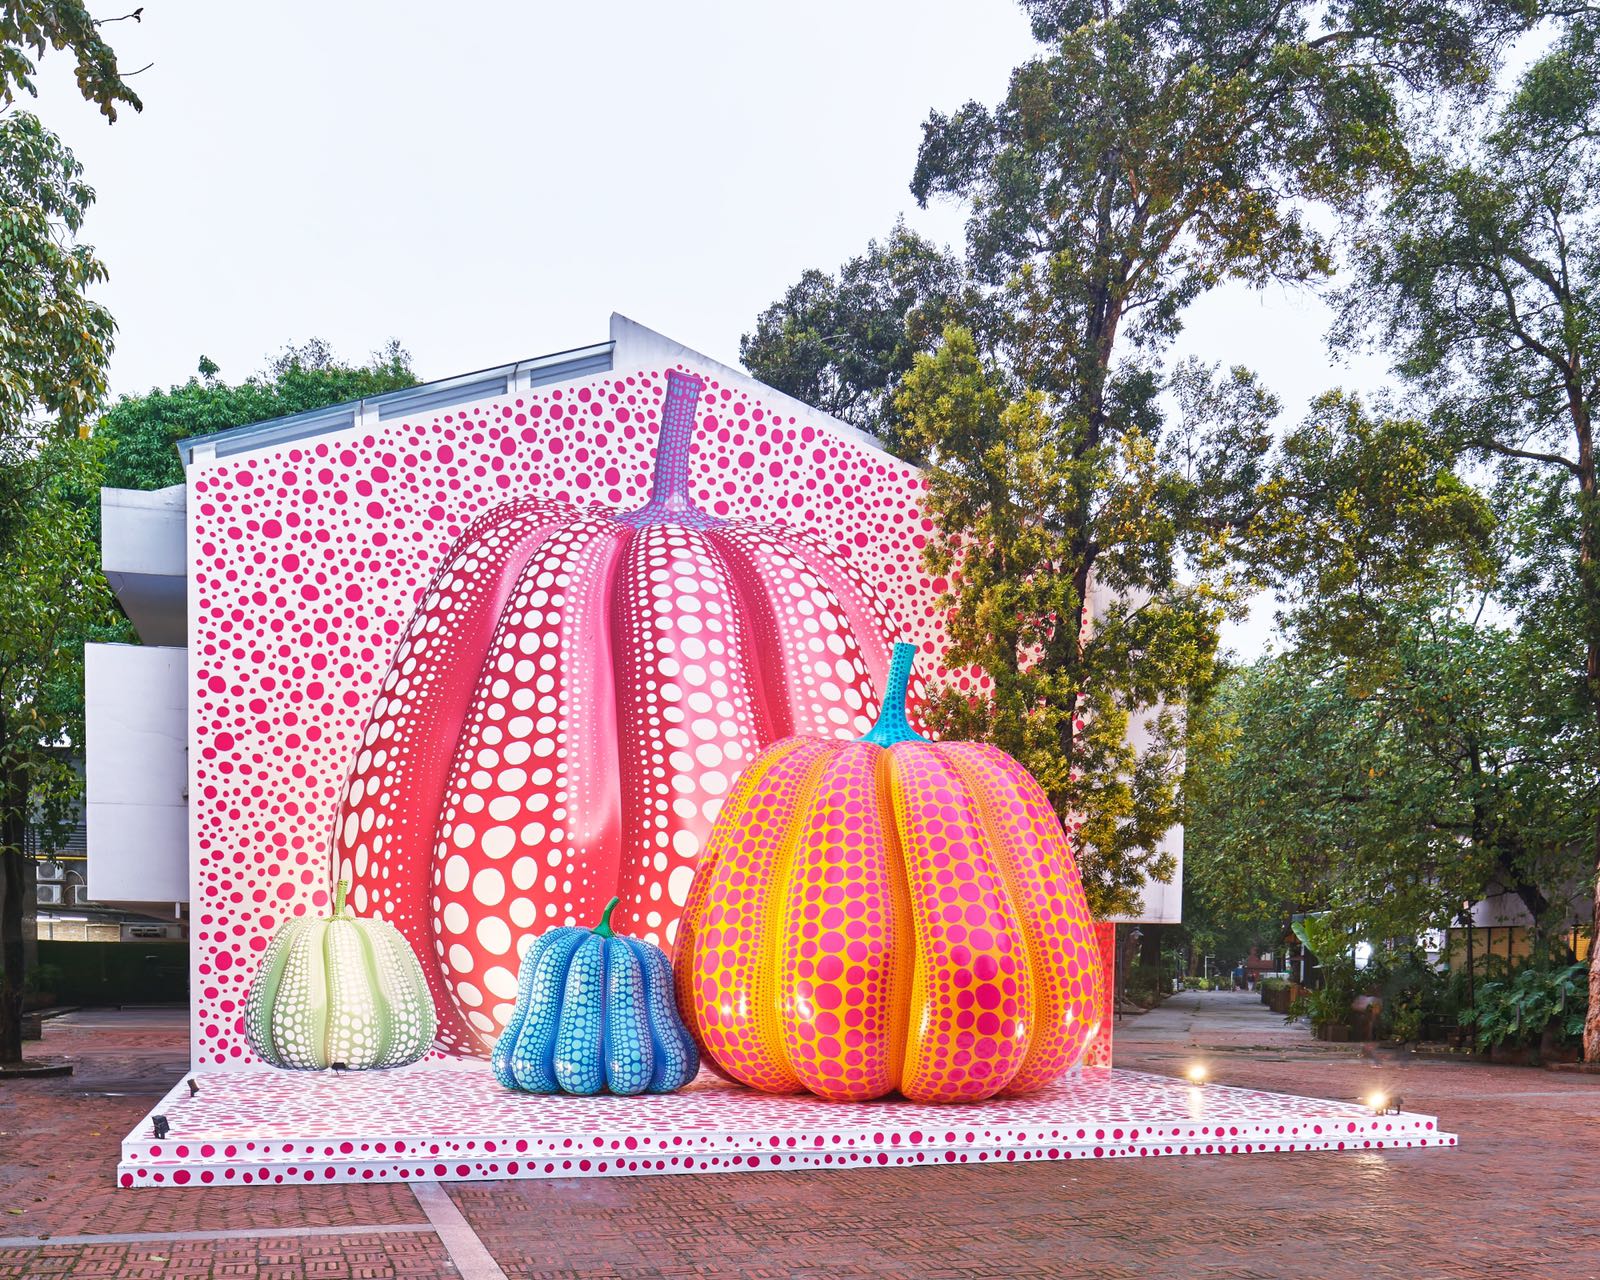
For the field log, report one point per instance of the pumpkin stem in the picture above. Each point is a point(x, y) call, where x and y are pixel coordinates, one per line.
point(339, 890)
point(669, 493)
point(892, 725)
point(604, 927)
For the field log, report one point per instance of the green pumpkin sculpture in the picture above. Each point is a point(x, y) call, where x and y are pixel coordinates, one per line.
point(339, 991)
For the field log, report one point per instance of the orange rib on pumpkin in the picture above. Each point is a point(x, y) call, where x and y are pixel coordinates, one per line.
point(888, 914)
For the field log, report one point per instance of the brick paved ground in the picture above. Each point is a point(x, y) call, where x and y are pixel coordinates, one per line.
point(1520, 1196)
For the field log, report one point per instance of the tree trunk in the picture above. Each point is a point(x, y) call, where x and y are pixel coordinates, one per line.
point(13, 894)
point(1589, 584)
point(1591, 1024)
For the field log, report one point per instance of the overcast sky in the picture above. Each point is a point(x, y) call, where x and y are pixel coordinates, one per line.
point(488, 181)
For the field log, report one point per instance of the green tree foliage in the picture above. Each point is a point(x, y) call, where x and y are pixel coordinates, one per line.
point(1153, 150)
point(30, 27)
point(54, 344)
point(1481, 274)
point(1013, 531)
point(842, 343)
point(54, 339)
point(1362, 511)
point(1390, 788)
point(49, 608)
point(138, 432)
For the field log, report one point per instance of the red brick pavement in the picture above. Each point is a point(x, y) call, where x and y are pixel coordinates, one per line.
point(347, 1258)
point(1518, 1198)
point(60, 1140)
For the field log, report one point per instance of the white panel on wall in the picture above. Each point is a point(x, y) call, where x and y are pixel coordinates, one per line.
point(136, 769)
point(144, 554)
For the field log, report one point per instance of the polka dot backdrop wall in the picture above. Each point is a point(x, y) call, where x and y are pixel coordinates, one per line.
point(311, 563)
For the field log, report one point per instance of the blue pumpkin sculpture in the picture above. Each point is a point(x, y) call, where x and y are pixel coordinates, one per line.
point(594, 1011)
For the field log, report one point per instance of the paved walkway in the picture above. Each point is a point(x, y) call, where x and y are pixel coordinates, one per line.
point(1519, 1198)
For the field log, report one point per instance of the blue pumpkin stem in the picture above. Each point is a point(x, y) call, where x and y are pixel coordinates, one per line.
point(603, 929)
point(892, 725)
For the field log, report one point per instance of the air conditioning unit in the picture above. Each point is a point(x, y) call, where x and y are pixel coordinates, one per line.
point(52, 871)
point(50, 895)
point(80, 893)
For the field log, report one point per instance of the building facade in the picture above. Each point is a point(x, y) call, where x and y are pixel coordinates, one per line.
point(275, 588)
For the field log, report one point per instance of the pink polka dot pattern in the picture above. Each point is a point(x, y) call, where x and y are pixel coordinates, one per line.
point(1042, 884)
point(869, 919)
point(726, 987)
point(638, 661)
point(846, 966)
point(348, 591)
point(973, 996)
point(1099, 1054)
point(448, 1119)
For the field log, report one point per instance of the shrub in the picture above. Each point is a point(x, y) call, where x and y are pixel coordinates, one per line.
point(1519, 1012)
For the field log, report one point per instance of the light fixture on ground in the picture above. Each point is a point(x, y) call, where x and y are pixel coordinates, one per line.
point(1197, 1074)
point(1383, 1104)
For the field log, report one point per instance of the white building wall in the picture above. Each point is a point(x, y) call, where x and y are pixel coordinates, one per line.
point(144, 552)
point(137, 773)
point(1161, 901)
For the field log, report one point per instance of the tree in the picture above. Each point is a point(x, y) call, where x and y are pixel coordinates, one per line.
point(1481, 274)
point(54, 344)
point(1389, 788)
point(29, 27)
point(1153, 150)
point(138, 432)
point(842, 344)
point(49, 608)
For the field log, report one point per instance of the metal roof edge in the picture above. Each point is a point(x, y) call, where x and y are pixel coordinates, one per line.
point(480, 384)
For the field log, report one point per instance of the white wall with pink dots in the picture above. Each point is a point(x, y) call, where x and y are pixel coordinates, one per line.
point(307, 562)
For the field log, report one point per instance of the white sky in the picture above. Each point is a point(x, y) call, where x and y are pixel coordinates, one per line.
point(489, 181)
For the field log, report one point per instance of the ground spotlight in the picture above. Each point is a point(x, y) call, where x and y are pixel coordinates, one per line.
point(1197, 1074)
point(160, 1126)
point(1383, 1104)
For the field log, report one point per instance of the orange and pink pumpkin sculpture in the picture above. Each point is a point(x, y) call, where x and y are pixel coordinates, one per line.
point(888, 914)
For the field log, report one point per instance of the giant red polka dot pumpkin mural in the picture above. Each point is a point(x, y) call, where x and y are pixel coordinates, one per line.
point(568, 708)
point(889, 914)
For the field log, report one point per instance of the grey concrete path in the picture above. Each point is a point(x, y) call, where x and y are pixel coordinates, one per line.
point(1203, 1019)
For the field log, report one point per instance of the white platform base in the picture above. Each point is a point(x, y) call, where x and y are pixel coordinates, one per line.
point(450, 1120)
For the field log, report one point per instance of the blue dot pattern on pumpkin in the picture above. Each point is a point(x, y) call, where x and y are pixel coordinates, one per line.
point(593, 1012)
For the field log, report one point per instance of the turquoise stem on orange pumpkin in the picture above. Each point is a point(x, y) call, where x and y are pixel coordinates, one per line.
point(603, 929)
point(892, 725)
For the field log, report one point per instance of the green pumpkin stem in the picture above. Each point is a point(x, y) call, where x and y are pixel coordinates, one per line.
point(892, 725)
point(603, 929)
point(339, 890)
